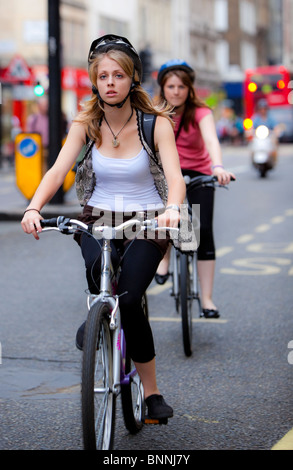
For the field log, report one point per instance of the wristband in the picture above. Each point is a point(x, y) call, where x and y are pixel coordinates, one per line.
point(31, 210)
point(217, 166)
point(174, 207)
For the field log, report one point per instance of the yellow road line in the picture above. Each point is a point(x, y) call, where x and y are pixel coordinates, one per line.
point(277, 220)
point(262, 228)
point(245, 238)
point(224, 251)
point(286, 443)
point(195, 320)
point(203, 420)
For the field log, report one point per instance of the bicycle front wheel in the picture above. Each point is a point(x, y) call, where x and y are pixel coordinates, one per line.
point(186, 303)
point(97, 397)
point(132, 394)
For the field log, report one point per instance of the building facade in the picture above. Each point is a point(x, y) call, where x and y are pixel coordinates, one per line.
point(219, 38)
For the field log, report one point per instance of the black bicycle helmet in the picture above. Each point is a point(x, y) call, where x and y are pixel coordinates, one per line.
point(107, 43)
point(175, 64)
point(111, 41)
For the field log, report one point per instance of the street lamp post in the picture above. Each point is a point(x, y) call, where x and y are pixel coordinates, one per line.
point(54, 65)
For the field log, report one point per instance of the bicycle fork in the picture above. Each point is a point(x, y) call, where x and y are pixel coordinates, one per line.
point(194, 275)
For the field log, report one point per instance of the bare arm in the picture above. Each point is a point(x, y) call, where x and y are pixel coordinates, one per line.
point(165, 140)
point(209, 135)
point(53, 179)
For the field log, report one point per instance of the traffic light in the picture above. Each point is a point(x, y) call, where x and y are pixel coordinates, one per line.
point(39, 89)
point(252, 87)
point(247, 124)
point(281, 84)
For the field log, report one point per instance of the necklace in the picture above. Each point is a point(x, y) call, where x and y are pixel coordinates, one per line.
point(115, 141)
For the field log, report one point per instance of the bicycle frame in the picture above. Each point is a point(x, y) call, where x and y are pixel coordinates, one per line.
point(174, 271)
point(107, 295)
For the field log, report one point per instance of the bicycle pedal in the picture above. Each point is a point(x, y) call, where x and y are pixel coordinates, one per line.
point(148, 420)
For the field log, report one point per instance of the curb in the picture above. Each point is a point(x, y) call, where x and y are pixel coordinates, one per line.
point(15, 215)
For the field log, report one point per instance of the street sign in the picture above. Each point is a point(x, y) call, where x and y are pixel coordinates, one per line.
point(17, 70)
point(28, 162)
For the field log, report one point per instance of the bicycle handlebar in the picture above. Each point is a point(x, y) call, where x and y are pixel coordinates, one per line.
point(69, 226)
point(202, 181)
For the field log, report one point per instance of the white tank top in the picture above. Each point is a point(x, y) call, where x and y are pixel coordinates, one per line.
point(124, 184)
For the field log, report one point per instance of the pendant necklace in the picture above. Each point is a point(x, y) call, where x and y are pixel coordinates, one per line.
point(115, 141)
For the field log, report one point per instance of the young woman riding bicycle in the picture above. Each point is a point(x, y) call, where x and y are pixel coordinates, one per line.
point(116, 180)
point(200, 153)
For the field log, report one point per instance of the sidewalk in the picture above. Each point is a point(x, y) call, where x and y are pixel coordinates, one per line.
point(13, 203)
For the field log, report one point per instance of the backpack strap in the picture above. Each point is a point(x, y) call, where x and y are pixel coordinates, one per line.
point(148, 122)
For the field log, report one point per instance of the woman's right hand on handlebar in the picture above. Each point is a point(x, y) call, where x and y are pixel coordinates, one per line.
point(31, 222)
point(224, 177)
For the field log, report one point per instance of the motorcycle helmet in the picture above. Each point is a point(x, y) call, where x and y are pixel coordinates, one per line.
point(262, 104)
point(175, 64)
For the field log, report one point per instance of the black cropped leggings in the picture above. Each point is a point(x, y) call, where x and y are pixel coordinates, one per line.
point(205, 197)
point(138, 269)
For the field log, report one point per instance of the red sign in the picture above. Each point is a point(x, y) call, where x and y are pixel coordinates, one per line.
point(277, 99)
point(73, 78)
point(17, 71)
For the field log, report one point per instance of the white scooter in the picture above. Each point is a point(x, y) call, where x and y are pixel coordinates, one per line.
point(264, 149)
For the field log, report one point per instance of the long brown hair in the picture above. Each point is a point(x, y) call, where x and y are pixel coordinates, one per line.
point(192, 102)
point(93, 110)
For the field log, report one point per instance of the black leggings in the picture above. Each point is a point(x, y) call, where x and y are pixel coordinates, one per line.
point(204, 197)
point(138, 269)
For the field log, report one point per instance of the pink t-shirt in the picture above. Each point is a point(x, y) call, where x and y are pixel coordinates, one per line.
point(190, 145)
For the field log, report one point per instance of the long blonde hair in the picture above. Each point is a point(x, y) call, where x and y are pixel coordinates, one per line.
point(93, 111)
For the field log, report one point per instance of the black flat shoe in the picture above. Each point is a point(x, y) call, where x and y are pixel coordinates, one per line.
point(210, 313)
point(161, 278)
point(158, 408)
point(79, 336)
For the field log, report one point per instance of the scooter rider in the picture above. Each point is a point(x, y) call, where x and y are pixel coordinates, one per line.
point(263, 116)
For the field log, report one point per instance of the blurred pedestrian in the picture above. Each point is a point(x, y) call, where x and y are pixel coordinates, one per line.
point(38, 122)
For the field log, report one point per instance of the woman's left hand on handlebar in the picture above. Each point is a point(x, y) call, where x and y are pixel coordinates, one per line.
point(224, 177)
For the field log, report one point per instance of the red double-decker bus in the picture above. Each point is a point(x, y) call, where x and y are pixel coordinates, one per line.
point(274, 83)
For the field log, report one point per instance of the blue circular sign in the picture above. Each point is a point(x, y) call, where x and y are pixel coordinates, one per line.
point(28, 147)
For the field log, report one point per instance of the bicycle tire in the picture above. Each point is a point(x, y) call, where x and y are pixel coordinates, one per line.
point(186, 303)
point(132, 394)
point(97, 398)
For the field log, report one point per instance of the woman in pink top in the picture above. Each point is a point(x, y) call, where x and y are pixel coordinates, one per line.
point(200, 153)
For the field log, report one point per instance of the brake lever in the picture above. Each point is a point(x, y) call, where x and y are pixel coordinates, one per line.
point(64, 227)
